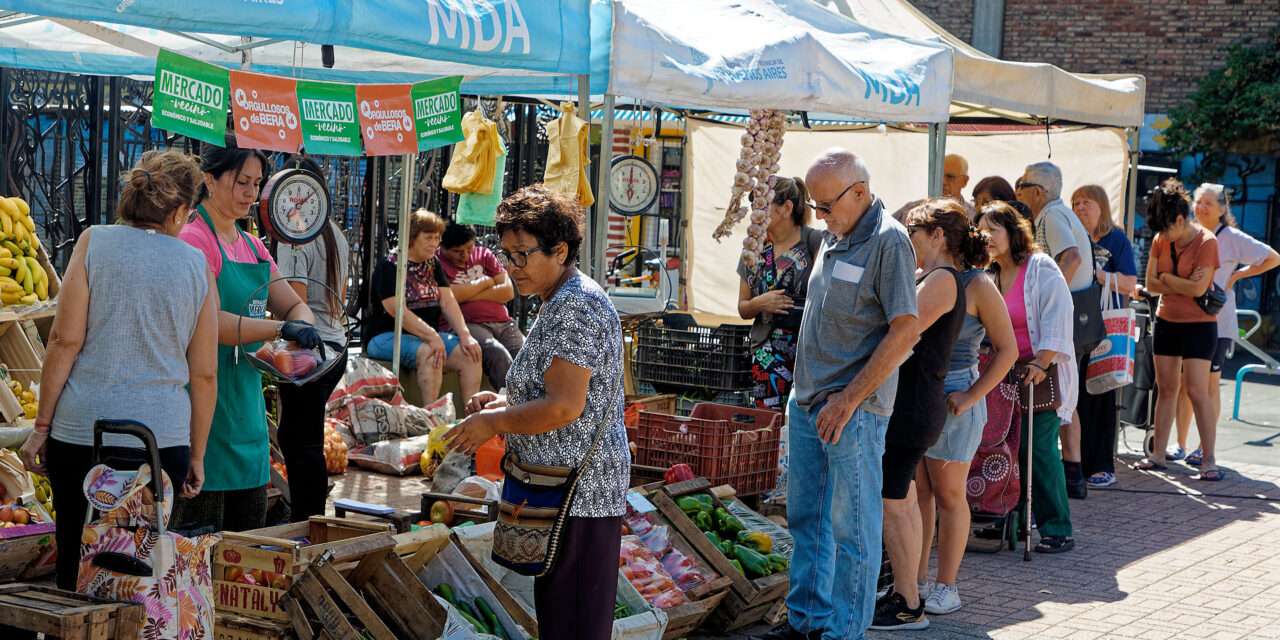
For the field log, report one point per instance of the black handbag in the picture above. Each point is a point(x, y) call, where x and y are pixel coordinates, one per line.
point(1089, 329)
point(1214, 298)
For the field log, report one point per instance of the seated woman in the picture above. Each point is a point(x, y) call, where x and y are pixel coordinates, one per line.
point(423, 346)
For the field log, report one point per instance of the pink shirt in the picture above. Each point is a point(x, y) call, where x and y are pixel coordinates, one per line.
point(1015, 299)
point(480, 263)
point(198, 235)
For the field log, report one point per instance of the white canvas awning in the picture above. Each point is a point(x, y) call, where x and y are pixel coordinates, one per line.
point(778, 54)
point(987, 86)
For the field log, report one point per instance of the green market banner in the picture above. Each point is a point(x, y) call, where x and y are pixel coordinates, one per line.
point(437, 112)
point(329, 123)
point(190, 98)
point(326, 118)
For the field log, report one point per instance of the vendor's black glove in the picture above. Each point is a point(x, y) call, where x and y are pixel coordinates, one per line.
point(300, 332)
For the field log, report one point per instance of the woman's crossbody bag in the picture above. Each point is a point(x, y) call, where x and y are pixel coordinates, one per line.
point(1213, 298)
point(533, 509)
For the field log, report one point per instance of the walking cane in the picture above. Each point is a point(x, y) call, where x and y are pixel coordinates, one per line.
point(1031, 425)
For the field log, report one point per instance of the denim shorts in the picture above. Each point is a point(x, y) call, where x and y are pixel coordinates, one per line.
point(961, 434)
point(382, 345)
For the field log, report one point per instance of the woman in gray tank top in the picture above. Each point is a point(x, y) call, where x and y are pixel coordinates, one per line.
point(941, 479)
point(136, 324)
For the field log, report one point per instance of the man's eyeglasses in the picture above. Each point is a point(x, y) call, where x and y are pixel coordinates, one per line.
point(825, 207)
point(1020, 185)
point(517, 259)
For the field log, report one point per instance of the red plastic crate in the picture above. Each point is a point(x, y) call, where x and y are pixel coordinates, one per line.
point(729, 445)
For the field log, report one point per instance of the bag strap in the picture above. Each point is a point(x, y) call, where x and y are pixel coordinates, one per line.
point(1173, 253)
point(813, 242)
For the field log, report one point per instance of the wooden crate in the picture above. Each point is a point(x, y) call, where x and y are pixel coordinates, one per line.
point(286, 551)
point(227, 626)
point(395, 592)
point(749, 601)
point(705, 598)
point(27, 552)
point(23, 362)
point(65, 614)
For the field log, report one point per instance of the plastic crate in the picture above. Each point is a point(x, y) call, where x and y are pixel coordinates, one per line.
point(729, 445)
point(697, 357)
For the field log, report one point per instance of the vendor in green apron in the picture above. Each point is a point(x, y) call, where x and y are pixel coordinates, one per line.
point(237, 461)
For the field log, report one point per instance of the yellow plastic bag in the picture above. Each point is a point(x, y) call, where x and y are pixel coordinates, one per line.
point(436, 450)
point(474, 160)
point(568, 155)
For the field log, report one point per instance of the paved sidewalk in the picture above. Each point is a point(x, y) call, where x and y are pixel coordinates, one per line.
point(1154, 559)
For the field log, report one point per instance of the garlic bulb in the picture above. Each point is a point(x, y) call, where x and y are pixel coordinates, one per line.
point(755, 174)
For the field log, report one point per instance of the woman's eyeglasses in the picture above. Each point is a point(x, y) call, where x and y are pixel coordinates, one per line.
point(517, 259)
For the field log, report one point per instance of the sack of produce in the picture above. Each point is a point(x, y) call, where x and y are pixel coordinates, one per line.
point(392, 457)
point(374, 420)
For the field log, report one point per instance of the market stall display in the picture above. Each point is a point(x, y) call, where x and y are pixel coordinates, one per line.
point(25, 274)
point(721, 539)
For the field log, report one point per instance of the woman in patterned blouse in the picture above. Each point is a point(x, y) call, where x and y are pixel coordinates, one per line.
point(564, 390)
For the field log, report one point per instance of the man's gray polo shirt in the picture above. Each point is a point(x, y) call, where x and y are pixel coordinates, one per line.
point(859, 284)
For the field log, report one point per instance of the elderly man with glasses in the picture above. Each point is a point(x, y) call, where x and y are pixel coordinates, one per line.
point(1060, 233)
point(859, 325)
point(955, 176)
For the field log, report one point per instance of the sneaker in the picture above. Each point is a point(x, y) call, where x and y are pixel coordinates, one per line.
point(1102, 479)
point(785, 631)
point(1176, 454)
point(944, 599)
point(895, 615)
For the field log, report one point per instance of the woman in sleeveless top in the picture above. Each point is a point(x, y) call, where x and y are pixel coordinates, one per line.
point(945, 470)
point(135, 325)
point(772, 293)
point(944, 242)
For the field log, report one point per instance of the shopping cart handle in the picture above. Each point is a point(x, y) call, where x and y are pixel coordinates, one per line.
point(141, 432)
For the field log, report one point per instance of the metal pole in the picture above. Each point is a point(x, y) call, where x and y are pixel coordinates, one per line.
point(584, 112)
point(1131, 199)
point(937, 152)
point(407, 166)
point(600, 226)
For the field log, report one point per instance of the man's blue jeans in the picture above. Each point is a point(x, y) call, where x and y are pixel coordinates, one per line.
point(835, 514)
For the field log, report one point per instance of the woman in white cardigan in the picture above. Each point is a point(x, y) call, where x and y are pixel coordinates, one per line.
point(1040, 308)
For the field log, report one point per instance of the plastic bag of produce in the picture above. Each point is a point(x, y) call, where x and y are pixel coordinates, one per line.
point(647, 574)
point(436, 451)
point(335, 449)
point(393, 457)
point(783, 543)
point(286, 360)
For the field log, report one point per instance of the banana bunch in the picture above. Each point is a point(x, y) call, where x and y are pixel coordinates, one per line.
point(23, 281)
point(27, 398)
point(44, 491)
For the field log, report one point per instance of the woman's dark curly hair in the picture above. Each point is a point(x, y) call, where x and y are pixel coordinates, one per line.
point(547, 215)
point(1168, 201)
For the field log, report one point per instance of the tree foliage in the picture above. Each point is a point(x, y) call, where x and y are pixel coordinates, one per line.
point(1236, 109)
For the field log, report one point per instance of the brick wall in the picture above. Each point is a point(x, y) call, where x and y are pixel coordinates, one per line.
point(1172, 42)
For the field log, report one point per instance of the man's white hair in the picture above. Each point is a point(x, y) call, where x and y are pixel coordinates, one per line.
point(844, 164)
point(1048, 176)
point(955, 157)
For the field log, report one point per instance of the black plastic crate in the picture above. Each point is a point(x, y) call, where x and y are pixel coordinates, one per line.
point(694, 357)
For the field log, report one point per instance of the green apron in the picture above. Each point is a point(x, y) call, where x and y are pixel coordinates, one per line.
point(237, 456)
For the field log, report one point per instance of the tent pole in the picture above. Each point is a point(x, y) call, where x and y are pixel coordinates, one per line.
point(1131, 199)
point(600, 226)
point(407, 166)
point(937, 150)
point(584, 112)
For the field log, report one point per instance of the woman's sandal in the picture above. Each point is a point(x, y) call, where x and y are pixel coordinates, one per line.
point(1147, 464)
point(1055, 544)
point(1195, 458)
point(1212, 475)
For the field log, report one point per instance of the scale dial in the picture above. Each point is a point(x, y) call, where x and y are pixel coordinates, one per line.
point(633, 185)
point(295, 206)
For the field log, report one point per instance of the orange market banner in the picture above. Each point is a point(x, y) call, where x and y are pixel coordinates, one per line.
point(265, 112)
point(386, 119)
